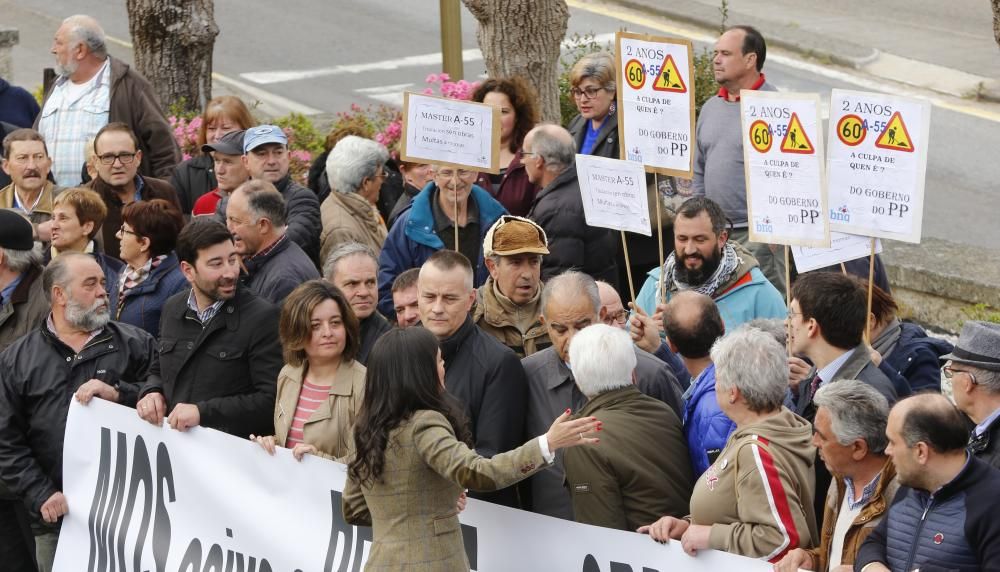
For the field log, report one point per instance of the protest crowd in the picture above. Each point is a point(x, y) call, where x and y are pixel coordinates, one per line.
point(471, 333)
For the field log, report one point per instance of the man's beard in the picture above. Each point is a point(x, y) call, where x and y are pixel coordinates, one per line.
point(67, 70)
point(212, 290)
point(696, 276)
point(87, 319)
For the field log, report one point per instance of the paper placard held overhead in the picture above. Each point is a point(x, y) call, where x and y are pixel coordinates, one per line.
point(843, 248)
point(783, 162)
point(613, 193)
point(877, 164)
point(656, 102)
point(450, 132)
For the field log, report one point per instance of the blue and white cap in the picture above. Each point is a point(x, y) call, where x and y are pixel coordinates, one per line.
point(262, 135)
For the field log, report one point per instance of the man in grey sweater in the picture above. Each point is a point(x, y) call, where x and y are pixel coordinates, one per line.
point(718, 166)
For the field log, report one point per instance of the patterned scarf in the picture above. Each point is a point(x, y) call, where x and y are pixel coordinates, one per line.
point(729, 263)
point(132, 277)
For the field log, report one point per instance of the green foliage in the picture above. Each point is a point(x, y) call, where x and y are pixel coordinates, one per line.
point(180, 110)
point(39, 94)
point(982, 313)
point(704, 79)
point(580, 45)
point(302, 134)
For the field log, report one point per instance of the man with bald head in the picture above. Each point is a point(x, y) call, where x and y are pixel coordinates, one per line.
point(94, 89)
point(944, 514)
point(549, 156)
point(570, 302)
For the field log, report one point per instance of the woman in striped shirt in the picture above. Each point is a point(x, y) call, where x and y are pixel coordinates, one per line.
point(321, 386)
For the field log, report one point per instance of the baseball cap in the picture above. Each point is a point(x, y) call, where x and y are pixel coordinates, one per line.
point(262, 135)
point(228, 144)
point(515, 235)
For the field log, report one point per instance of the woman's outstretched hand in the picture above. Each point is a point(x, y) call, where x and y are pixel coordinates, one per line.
point(566, 432)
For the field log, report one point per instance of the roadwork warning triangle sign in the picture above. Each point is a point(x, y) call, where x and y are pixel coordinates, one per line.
point(670, 78)
point(796, 140)
point(895, 136)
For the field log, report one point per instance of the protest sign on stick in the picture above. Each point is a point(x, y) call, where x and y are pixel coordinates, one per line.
point(451, 133)
point(877, 164)
point(843, 248)
point(614, 196)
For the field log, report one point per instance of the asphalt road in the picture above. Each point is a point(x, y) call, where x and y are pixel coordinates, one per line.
point(325, 55)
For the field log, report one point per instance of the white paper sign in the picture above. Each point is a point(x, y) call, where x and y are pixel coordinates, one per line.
point(783, 160)
point(877, 164)
point(147, 498)
point(613, 193)
point(450, 132)
point(843, 248)
point(656, 102)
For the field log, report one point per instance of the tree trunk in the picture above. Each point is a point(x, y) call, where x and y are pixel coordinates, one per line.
point(996, 20)
point(523, 37)
point(173, 42)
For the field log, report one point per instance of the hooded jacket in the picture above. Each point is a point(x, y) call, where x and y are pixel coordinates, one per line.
point(349, 217)
point(917, 357)
point(705, 425)
point(412, 240)
point(499, 317)
point(758, 495)
point(747, 295)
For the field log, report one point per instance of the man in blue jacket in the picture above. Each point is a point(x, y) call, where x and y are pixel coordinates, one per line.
point(428, 225)
point(944, 515)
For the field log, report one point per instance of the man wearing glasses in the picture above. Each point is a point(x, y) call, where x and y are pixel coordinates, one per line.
point(450, 210)
point(974, 371)
point(117, 157)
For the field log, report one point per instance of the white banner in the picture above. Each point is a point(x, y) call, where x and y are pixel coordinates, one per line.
point(877, 163)
point(613, 193)
point(450, 132)
point(843, 248)
point(656, 102)
point(783, 161)
point(143, 498)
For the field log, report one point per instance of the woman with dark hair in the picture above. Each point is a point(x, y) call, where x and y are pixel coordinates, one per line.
point(411, 457)
point(195, 177)
point(152, 273)
point(518, 106)
point(321, 386)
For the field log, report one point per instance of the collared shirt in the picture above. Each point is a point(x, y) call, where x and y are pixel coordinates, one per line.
point(724, 93)
point(866, 493)
point(51, 325)
point(827, 373)
point(204, 316)
point(67, 122)
point(18, 205)
point(267, 250)
point(139, 184)
point(982, 427)
point(8, 290)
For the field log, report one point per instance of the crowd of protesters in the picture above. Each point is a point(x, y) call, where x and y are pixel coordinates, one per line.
point(464, 330)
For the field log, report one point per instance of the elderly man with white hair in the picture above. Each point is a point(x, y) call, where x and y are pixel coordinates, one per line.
point(644, 442)
point(356, 170)
point(95, 89)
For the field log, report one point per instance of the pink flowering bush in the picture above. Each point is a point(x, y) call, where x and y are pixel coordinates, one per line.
point(185, 131)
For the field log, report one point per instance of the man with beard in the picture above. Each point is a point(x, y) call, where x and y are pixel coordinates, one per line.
point(219, 348)
point(353, 267)
point(706, 261)
point(26, 160)
point(944, 514)
point(77, 350)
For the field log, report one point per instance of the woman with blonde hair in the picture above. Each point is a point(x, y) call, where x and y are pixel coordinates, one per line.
point(321, 386)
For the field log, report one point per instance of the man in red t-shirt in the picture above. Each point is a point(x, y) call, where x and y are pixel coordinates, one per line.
point(229, 171)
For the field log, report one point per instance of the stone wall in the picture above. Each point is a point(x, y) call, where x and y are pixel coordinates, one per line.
point(8, 39)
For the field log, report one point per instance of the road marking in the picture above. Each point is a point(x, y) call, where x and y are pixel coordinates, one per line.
point(786, 59)
point(423, 60)
point(389, 94)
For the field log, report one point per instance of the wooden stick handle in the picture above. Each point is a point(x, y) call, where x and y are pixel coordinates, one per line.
point(628, 270)
point(660, 291)
point(871, 279)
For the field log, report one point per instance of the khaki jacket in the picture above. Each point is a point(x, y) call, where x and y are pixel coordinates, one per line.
point(42, 211)
point(758, 495)
point(499, 319)
point(863, 525)
point(349, 217)
point(416, 524)
point(329, 427)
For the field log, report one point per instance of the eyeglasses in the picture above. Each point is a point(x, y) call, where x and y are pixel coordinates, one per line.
point(949, 372)
point(620, 317)
point(590, 92)
point(528, 154)
point(123, 231)
point(462, 173)
point(109, 158)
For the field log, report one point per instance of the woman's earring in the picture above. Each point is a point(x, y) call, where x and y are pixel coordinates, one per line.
point(613, 108)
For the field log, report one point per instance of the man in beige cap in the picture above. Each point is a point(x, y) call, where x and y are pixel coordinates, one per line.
point(508, 303)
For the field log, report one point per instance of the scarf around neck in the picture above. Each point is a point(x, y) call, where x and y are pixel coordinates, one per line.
point(727, 266)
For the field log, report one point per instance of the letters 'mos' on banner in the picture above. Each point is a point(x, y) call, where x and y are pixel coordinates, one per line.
point(877, 163)
point(656, 102)
point(450, 132)
point(783, 161)
point(613, 193)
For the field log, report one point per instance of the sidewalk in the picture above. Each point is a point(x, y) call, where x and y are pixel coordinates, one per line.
point(941, 46)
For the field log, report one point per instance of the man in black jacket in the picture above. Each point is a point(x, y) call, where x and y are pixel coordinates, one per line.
point(944, 514)
point(548, 157)
point(219, 348)
point(353, 267)
point(974, 371)
point(77, 350)
point(485, 375)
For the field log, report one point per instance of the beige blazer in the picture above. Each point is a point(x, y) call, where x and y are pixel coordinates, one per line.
point(412, 510)
point(329, 427)
point(349, 218)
